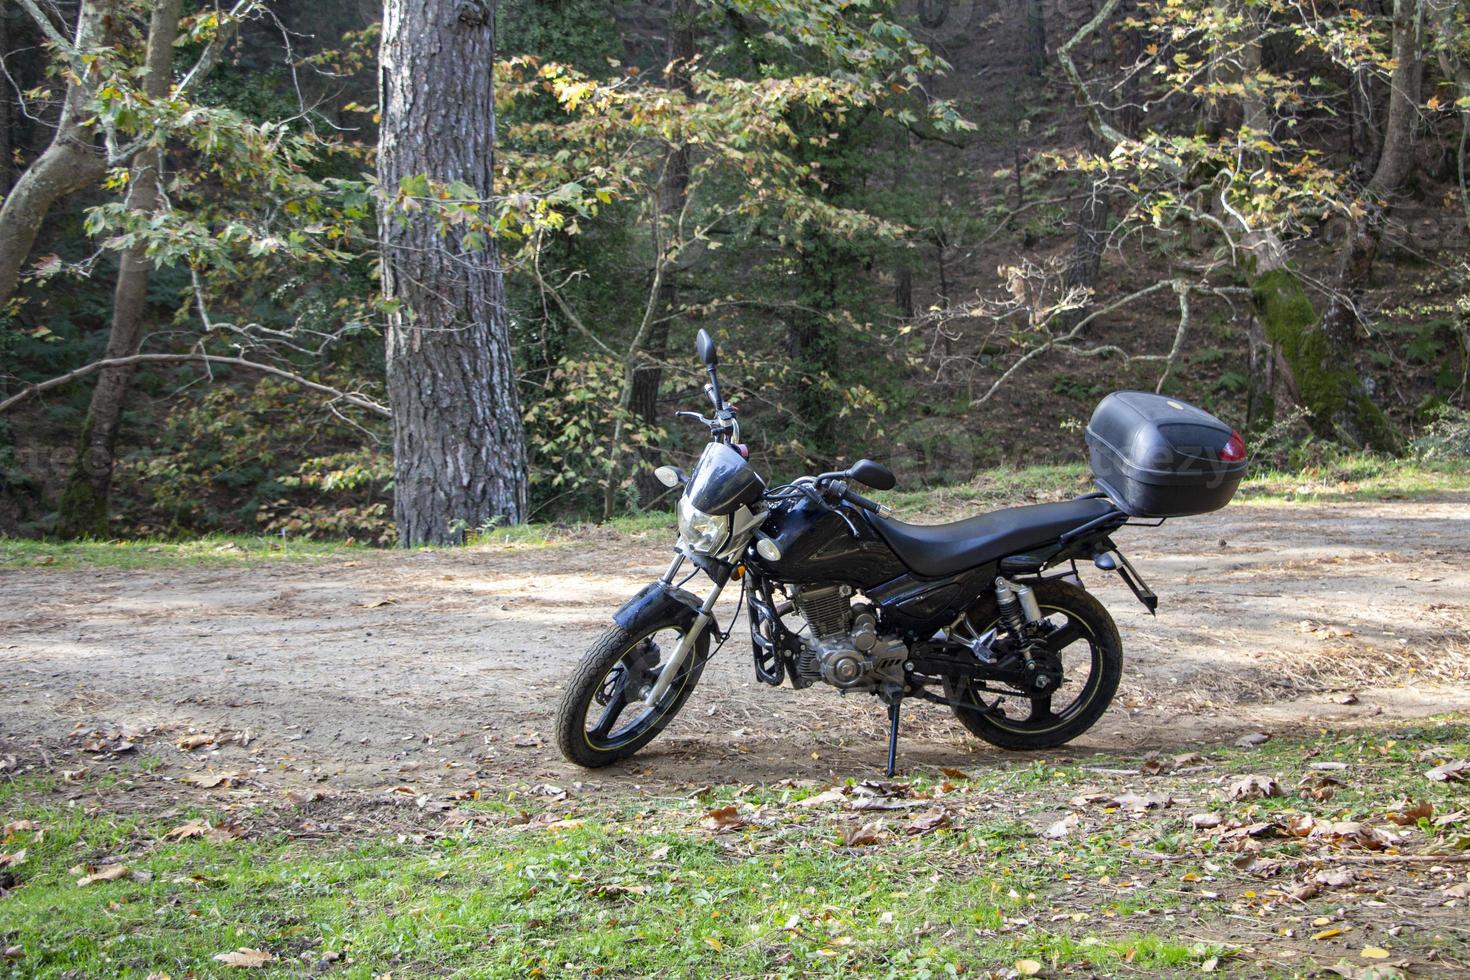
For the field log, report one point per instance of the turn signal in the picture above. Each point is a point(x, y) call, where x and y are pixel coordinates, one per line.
point(1234, 450)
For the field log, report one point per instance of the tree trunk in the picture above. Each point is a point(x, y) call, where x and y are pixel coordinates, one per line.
point(82, 511)
point(71, 162)
point(673, 193)
point(1092, 238)
point(1346, 410)
point(1035, 39)
point(459, 451)
point(7, 112)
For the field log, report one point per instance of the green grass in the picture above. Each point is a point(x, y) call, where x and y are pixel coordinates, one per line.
point(1348, 477)
point(632, 886)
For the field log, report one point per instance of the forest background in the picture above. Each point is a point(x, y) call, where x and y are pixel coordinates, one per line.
point(934, 233)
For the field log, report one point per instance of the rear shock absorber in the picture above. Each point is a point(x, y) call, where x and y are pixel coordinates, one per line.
point(1018, 605)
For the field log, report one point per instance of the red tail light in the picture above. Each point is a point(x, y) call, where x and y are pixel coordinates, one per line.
point(1234, 450)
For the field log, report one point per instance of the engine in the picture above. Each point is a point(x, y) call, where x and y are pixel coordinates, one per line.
point(844, 649)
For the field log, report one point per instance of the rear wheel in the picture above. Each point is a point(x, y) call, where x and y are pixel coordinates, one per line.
point(602, 718)
point(1082, 639)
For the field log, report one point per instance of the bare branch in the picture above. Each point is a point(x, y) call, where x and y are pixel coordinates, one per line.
point(350, 398)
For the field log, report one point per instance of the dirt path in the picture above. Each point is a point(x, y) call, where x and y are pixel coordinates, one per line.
point(440, 670)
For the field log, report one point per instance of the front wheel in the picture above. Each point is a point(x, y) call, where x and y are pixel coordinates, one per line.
point(1078, 632)
point(602, 718)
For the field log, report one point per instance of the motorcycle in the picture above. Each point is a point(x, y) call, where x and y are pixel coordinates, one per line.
point(987, 615)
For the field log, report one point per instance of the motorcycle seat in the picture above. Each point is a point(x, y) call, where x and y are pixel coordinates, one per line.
point(938, 550)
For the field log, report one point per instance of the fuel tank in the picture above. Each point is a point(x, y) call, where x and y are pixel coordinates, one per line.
point(818, 546)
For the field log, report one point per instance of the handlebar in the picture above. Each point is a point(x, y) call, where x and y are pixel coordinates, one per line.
point(853, 497)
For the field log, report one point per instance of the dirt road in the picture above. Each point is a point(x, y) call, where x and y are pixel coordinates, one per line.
point(440, 670)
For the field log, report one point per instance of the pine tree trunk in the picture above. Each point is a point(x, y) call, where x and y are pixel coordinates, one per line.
point(83, 509)
point(459, 452)
point(71, 162)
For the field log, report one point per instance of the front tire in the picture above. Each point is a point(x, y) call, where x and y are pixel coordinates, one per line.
point(1084, 634)
point(591, 729)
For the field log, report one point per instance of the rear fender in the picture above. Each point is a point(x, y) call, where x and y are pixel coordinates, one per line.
point(658, 602)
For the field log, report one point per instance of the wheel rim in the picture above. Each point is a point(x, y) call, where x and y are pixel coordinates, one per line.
point(1075, 643)
point(615, 713)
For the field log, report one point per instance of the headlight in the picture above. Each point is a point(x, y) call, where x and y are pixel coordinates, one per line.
point(704, 532)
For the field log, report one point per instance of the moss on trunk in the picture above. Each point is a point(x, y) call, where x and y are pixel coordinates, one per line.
point(1328, 381)
point(82, 510)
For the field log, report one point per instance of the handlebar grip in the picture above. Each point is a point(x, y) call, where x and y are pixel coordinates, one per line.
point(853, 497)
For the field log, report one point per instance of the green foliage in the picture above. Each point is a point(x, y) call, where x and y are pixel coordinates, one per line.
point(568, 426)
point(260, 455)
point(1447, 436)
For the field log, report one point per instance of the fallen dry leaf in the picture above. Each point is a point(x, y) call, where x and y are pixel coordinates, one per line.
point(1303, 891)
point(11, 860)
point(210, 780)
point(1252, 787)
point(1062, 828)
point(110, 873)
point(191, 742)
point(1251, 740)
point(1450, 772)
point(1138, 804)
point(194, 828)
point(1028, 968)
point(244, 958)
point(823, 798)
point(1462, 890)
point(929, 820)
point(1206, 821)
point(954, 773)
point(863, 835)
point(1335, 878)
point(723, 820)
point(1419, 811)
point(16, 826)
point(1374, 953)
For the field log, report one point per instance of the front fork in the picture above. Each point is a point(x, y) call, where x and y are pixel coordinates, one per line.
point(704, 616)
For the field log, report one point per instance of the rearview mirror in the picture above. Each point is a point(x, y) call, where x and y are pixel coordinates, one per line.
point(670, 476)
point(871, 474)
point(706, 347)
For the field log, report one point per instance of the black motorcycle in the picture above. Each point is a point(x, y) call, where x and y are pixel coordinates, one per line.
point(986, 615)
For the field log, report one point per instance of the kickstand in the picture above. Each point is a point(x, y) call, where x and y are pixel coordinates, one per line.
point(892, 735)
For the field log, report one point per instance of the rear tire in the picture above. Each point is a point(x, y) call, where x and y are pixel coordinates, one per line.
point(1059, 601)
point(593, 676)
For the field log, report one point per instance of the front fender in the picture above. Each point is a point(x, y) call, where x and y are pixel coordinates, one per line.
point(658, 602)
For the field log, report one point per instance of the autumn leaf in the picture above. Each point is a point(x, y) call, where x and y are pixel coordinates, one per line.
point(929, 820)
point(194, 828)
point(1062, 828)
point(864, 835)
point(723, 820)
point(110, 873)
point(1419, 811)
point(1450, 772)
point(823, 798)
point(1028, 968)
point(244, 958)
